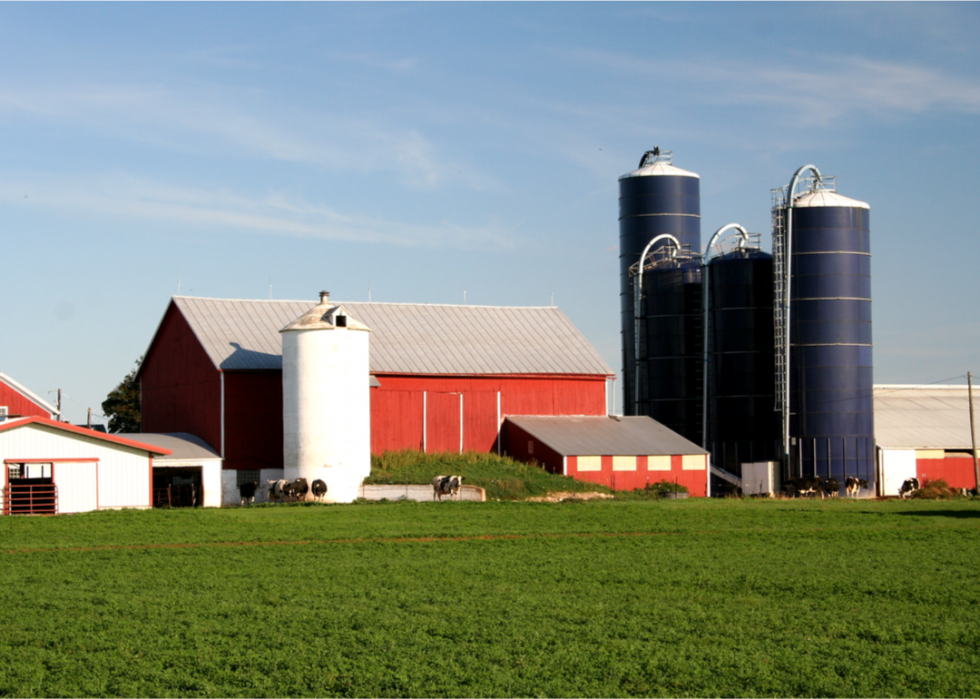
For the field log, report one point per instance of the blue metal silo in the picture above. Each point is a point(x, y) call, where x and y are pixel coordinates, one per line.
point(654, 200)
point(826, 329)
point(740, 424)
point(670, 366)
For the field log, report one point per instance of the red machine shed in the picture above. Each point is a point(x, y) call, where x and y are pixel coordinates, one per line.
point(443, 377)
point(624, 453)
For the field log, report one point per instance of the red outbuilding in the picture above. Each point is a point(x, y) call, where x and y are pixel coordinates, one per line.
point(18, 401)
point(443, 377)
point(624, 453)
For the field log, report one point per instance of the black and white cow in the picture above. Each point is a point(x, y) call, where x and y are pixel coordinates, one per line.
point(805, 486)
point(319, 489)
point(247, 492)
point(853, 486)
point(446, 485)
point(908, 487)
point(300, 489)
point(279, 490)
point(832, 487)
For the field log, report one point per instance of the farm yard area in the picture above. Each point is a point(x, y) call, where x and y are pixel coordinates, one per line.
point(599, 598)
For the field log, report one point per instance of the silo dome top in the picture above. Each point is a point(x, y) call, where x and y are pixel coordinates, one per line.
point(326, 315)
point(828, 198)
point(658, 163)
point(661, 169)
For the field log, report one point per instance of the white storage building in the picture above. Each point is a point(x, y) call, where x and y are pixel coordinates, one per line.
point(52, 467)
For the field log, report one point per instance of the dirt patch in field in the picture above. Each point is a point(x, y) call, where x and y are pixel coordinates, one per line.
point(562, 496)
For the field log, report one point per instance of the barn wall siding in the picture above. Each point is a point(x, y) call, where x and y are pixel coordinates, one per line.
point(397, 407)
point(19, 405)
point(518, 444)
point(647, 470)
point(957, 471)
point(180, 387)
point(396, 419)
point(253, 420)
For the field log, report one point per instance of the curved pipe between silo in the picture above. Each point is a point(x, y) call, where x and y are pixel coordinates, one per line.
point(705, 308)
point(637, 300)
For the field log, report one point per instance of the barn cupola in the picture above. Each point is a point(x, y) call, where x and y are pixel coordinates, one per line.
point(326, 399)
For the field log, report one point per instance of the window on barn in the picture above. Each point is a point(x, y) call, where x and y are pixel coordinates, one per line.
point(341, 321)
point(247, 475)
point(3, 413)
point(15, 471)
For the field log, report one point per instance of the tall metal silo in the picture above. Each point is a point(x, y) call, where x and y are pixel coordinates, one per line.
point(657, 199)
point(823, 281)
point(740, 424)
point(669, 370)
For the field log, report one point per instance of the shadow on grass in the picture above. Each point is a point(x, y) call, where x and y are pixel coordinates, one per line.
point(956, 514)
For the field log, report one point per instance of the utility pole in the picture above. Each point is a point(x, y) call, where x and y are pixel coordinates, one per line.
point(89, 418)
point(59, 406)
point(973, 431)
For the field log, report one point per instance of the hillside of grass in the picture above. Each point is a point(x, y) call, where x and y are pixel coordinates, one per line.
point(501, 476)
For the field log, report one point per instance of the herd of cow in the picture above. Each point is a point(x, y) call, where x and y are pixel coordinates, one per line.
point(809, 486)
point(806, 486)
point(298, 490)
point(283, 490)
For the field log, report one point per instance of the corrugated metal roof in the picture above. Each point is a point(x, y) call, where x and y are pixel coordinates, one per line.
point(606, 436)
point(185, 446)
point(922, 417)
point(405, 338)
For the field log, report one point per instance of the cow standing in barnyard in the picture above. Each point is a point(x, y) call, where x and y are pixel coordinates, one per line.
point(446, 485)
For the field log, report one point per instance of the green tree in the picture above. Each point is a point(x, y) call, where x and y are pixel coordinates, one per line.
point(122, 405)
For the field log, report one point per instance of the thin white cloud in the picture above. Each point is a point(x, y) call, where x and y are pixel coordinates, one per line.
point(818, 92)
point(190, 122)
point(273, 214)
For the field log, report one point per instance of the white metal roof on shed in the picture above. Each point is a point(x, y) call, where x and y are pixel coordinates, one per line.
point(406, 338)
point(605, 436)
point(184, 446)
point(922, 417)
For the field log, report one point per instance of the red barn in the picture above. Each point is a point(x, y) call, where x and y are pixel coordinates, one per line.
point(443, 377)
point(18, 401)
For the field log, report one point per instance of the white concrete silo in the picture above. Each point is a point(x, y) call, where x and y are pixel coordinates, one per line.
point(326, 400)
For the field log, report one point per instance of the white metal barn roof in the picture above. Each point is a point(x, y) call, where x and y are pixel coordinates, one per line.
point(922, 417)
point(605, 436)
point(406, 338)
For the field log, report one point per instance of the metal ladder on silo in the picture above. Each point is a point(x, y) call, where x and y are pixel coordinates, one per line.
point(780, 326)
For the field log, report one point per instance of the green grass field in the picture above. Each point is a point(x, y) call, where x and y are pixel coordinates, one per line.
point(605, 598)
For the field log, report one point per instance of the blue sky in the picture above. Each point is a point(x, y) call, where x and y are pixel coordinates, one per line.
point(424, 150)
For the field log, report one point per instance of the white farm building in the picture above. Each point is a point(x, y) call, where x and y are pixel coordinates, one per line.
point(52, 467)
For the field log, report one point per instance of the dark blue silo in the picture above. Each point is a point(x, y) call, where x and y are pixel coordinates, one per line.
point(831, 401)
point(671, 346)
point(655, 199)
point(742, 425)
